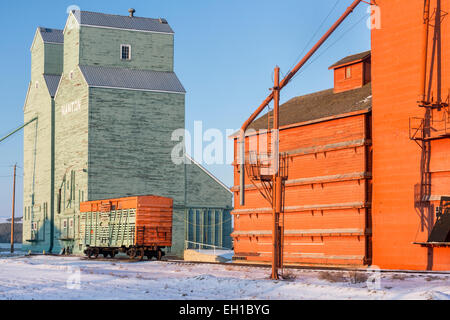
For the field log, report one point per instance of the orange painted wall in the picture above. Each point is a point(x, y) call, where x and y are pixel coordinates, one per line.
point(327, 213)
point(396, 62)
point(360, 75)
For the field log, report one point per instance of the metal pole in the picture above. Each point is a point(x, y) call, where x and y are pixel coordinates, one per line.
point(423, 72)
point(13, 209)
point(439, 52)
point(18, 129)
point(276, 175)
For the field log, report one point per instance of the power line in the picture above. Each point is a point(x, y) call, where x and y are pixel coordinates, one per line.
point(330, 46)
point(313, 36)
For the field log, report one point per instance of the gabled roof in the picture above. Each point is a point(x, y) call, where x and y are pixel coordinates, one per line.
point(190, 159)
point(51, 35)
point(140, 80)
point(102, 20)
point(52, 82)
point(351, 59)
point(320, 105)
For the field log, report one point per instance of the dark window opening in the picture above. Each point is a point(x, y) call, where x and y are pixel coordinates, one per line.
point(126, 52)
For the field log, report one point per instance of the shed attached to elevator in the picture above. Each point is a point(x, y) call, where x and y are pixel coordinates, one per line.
point(327, 137)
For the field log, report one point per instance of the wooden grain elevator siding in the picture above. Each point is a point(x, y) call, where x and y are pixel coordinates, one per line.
point(327, 213)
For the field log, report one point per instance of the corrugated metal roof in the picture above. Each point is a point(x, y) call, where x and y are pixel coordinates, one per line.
point(87, 18)
point(52, 35)
point(121, 78)
point(349, 59)
point(320, 105)
point(52, 82)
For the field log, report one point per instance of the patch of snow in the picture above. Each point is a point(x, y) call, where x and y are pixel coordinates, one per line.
point(74, 278)
point(8, 220)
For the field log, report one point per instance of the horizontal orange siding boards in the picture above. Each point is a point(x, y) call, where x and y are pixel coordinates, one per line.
point(327, 205)
point(396, 65)
point(154, 216)
point(356, 79)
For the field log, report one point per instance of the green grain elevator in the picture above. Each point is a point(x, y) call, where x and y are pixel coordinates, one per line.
point(107, 100)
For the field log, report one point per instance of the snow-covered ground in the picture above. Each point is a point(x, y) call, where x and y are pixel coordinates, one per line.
point(51, 277)
point(8, 220)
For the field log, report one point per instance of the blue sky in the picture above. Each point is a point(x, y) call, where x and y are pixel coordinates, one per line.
point(225, 52)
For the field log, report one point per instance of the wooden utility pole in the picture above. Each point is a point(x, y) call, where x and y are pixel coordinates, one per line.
point(13, 209)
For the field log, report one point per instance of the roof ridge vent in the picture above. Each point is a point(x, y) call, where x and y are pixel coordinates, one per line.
point(163, 21)
point(132, 12)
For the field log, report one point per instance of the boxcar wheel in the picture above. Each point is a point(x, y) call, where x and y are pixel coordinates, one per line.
point(89, 253)
point(96, 253)
point(132, 253)
point(105, 254)
point(113, 254)
point(159, 255)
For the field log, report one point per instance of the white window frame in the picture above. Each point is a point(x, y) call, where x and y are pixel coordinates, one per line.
point(129, 52)
point(348, 72)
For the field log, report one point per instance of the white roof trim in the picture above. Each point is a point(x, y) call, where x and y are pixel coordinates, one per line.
point(62, 76)
point(208, 173)
point(34, 39)
point(59, 85)
point(26, 98)
point(147, 90)
point(67, 21)
point(135, 30)
point(49, 42)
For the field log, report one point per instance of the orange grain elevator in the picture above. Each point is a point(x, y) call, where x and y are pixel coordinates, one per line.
point(368, 160)
point(411, 140)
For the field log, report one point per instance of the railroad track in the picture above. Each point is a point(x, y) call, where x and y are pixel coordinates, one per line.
point(268, 266)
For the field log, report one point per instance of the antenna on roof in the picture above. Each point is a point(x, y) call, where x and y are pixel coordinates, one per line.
point(131, 11)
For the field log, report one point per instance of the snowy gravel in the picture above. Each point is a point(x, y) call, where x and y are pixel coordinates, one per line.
point(72, 278)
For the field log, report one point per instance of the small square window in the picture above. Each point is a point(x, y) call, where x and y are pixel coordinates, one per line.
point(36, 85)
point(125, 52)
point(348, 72)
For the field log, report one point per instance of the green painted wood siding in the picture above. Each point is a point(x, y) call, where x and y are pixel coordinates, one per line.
point(130, 144)
point(38, 153)
point(130, 148)
point(71, 148)
point(71, 45)
point(149, 51)
point(53, 58)
point(203, 190)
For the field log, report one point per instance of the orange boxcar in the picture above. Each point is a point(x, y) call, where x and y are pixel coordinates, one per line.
point(139, 226)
